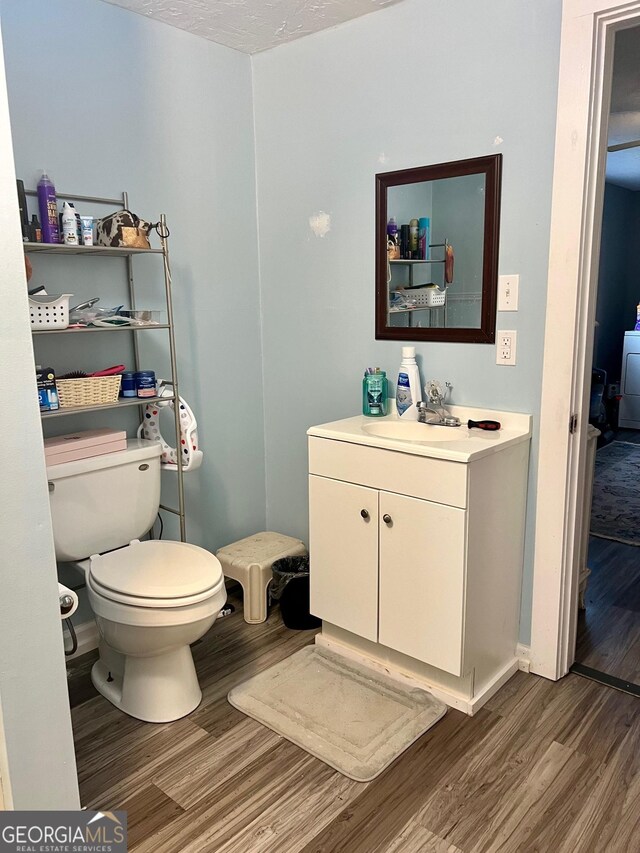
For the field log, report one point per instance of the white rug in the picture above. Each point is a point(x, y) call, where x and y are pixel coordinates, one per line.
point(347, 715)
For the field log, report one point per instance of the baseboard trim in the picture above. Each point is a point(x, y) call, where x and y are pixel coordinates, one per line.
point(455, 700)
point(492, 687)
point(461, 703)
point(523, 653)
point(88, 637)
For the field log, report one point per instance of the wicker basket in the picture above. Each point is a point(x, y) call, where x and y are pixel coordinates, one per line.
point(92, 391)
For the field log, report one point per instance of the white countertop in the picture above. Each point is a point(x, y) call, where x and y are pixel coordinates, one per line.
point(465, 445)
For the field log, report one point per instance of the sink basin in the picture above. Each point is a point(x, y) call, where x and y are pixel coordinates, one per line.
point(414, 431)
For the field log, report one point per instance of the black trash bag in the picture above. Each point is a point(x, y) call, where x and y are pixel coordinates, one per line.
point(290, 587)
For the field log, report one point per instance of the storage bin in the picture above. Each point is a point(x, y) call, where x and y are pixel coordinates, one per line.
point(427, 296)
point(92, 391)
point(83, 445)
point(50, 311)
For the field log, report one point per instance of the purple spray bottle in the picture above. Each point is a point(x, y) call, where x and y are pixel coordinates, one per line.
point(48, 205)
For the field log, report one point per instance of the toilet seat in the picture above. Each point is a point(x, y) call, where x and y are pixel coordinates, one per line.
point(156, 574)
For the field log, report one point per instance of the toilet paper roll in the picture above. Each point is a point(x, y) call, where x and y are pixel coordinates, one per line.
point(68, 601)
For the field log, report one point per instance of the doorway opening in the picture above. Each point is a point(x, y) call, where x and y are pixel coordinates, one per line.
point(608, 623)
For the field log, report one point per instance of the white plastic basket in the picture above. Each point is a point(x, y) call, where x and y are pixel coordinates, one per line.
point(50, 311)
point(427, 296)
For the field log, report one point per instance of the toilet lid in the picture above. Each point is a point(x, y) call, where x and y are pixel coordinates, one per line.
point(157, 570)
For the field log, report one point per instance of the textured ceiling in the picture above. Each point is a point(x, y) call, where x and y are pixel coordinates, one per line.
point(252, 25)
point(623, 167)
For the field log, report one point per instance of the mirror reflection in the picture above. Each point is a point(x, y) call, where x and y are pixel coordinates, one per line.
point(437, 243)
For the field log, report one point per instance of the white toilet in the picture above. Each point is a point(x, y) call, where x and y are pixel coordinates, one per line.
point(151, 599)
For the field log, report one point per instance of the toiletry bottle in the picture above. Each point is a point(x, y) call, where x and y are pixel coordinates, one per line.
point(637, 325)
point(405, 251)
point(408, 387)
point(374, 393)
point(35, 230)
point(48, 205)
point(413, 238)
point(423, 238)
point(393, 248)
point(24, 216)
point(78, 223)
point(69, 226)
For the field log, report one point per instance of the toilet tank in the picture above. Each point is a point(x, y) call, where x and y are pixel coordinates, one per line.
point(102, 503)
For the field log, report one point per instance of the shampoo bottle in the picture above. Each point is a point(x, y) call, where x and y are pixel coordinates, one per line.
point(408, 387)
point(48, 205)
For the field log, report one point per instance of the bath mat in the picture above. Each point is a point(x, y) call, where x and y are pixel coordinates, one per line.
point(615, 512)
point(352, 718)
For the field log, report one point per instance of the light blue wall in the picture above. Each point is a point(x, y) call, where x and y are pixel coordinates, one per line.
point(618, 277)
point(170, 118)
point(329, 114)
point(108, 100)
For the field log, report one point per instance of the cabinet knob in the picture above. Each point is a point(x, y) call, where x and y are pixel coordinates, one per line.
point(364, 513)
point(387, 518)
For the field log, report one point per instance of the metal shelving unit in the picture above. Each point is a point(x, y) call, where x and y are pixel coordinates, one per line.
point(412, 266)
point(93, 330)
point(127, 254)
point(105, 251)
point(121, 404)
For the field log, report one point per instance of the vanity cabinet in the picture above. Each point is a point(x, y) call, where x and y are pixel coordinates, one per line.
point(401, 559)
point(417, 553)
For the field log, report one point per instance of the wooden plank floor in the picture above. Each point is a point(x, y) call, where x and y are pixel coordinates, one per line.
point(609, 628)
point(551, 767)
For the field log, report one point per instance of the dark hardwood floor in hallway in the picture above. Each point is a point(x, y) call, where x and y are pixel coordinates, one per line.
point(609, 628)
point(551, 767)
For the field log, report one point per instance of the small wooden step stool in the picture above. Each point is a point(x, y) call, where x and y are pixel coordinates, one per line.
point(249, 562)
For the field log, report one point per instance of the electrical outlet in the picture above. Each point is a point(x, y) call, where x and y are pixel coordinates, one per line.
point(508, 286)
point(506, 348)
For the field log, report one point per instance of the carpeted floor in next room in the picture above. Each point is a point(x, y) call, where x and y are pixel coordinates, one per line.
point(543, 766)
point(615, 513)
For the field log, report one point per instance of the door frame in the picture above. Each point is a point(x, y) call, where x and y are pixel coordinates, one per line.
point(584, 90)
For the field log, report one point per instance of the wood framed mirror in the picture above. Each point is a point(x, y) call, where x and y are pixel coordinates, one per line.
point(437, 236)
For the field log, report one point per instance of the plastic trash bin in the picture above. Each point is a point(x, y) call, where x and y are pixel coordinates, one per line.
point(290, 587)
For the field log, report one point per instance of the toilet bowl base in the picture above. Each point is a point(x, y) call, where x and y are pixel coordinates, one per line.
point(156, 689)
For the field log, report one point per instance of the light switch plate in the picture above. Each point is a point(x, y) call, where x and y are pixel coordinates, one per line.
point(508, 286)
point(506, 347)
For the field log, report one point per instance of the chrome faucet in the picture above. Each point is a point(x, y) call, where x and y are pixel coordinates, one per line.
point(434, 412)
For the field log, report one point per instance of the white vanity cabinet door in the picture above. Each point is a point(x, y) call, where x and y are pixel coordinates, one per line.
point(422, 580)
point(343, 543)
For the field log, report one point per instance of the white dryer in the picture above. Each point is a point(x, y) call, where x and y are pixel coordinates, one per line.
point(629, 415)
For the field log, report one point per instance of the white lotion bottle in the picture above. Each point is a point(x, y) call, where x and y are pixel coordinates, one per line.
point(408, 387)
point(69, 225)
